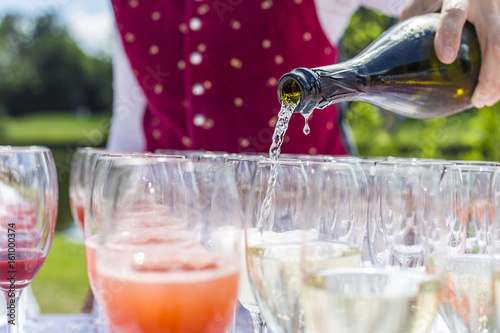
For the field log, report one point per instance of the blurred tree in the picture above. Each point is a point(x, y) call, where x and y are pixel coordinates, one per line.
point(42, 68)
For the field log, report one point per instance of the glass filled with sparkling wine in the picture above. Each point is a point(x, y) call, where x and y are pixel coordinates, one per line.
point(493, 230)
point(278, 229)
point(28, 206)
point(400, 291)
point(468, 302)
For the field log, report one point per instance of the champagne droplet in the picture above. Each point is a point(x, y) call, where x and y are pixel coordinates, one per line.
point(307, 129)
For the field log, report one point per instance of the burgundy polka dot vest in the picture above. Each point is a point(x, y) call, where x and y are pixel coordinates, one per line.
point(209, 70)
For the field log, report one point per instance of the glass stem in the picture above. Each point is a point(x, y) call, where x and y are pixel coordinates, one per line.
point(14, 311)
point(259, 325)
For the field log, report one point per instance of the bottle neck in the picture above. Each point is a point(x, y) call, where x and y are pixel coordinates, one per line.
point(341, 82)
point(319, 87)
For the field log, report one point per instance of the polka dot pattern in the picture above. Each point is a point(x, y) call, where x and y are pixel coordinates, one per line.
point(236, 63)
point(210, 73)
point(158, 89)
point(235, 24)
point(238, 101)
point(156, 15)
point(201, 47)
point(207, 84)
point(266, 4)
point(198, 89)
point(195, 24)
point(183, 27)
point(272, 82)
point(156, 134)
point(244, 142)
point(186, 141)
point(195, 58)
point(181, 65)
point(199, 119)
point(153, 50)
point(202, 10)
point(129, 37)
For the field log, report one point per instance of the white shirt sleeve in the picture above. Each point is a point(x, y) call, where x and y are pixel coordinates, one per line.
point(389, 7)
point(129, 104)
point(334, 15)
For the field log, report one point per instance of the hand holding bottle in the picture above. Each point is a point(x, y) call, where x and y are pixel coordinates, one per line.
point(485, 15)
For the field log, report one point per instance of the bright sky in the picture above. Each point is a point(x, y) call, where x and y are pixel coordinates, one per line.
point(90, 22)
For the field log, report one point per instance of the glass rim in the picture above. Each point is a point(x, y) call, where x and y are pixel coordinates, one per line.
point(142, 159)
point(284, 161)
point(238, 157)
point(24, 149)
point(473, 168)
point(475, 162)
point(296, 162)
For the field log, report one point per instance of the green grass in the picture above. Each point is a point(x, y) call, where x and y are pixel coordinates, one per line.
point(55, 129)
point(62, 284)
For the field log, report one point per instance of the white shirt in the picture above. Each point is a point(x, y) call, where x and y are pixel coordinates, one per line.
point(129, 102)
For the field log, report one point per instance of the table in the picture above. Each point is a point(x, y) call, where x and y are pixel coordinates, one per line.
point(82, 323)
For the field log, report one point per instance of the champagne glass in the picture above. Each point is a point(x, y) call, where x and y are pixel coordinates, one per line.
point(493, 241)
point(29, 197)
point(476, 179)
point(275, 231)
point(393, 213)
point(335, 215)
point(169, 236)
point(82, 171)
point(273, 242)
point(82, 166)
point(243, 168)
point(400, 293)
point(467, 303)
point(361, 168)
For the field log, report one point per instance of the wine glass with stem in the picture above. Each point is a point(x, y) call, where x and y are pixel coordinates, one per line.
point(168, 235)
point(468, 303)
point(275, 230)
point(407, 238)
point(82, 170)
point(334, 221)
point(82, 166)
point(243, 168)
point(29, 199)
point(97, 198)
point(493, 240)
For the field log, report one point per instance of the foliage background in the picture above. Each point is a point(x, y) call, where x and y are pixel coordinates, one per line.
point(469, 135)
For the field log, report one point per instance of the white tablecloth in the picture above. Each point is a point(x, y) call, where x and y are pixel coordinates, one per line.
point(83, 323)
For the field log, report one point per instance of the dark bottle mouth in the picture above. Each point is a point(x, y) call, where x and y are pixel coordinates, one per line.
point(299, 87)
point(290, 92)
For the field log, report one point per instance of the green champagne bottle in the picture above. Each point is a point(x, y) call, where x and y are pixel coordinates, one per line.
point(398, 72)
